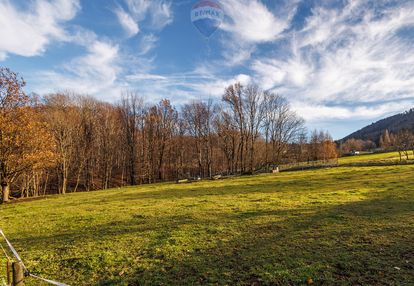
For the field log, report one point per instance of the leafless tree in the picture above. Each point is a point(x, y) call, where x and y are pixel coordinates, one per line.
point(282, 125)
point(132, 110)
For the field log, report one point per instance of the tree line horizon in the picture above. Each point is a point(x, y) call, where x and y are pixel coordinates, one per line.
point(66, 142)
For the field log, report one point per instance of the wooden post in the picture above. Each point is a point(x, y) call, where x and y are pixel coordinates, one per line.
point(18, 274)
point(8, 270)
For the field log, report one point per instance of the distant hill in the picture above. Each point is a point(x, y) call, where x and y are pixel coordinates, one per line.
point(393, 123)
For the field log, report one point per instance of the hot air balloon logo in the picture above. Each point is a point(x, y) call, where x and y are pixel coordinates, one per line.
point(207, 16)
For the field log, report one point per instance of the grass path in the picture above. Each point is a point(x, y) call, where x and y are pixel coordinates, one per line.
point(340, 226)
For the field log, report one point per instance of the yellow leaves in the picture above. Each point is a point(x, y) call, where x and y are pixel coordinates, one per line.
point(25, 141)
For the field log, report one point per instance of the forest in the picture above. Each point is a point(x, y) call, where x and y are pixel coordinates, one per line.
point(66, 142)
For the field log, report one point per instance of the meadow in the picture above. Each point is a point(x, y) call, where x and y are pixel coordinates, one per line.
point(364, 159)
point(338, 226)
point(375, 157)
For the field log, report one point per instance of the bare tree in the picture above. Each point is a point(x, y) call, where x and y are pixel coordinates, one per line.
point(108, 142)
point(165, 117)
point(255, 112)
point(131, 110)
point(227, 139)
point(63, 120)
point(282, 125)
point(404, 143)
point(199, 118)
point(233, 99)
point(99, 145)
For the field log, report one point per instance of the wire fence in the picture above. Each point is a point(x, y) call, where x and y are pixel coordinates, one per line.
point(309, 165)
point(5, 261)
point(8, 260)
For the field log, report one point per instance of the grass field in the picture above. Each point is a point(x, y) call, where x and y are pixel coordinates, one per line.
point(390, 156)
point(339, 226)
point(367, 159)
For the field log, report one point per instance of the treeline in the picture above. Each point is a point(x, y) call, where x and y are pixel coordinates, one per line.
point(66, 142)
point(401, 141)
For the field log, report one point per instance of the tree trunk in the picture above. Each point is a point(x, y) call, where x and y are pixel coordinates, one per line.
point(64, 184)
point(5, 189)
point(252, 154)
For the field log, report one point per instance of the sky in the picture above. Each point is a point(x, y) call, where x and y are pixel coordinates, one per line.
point(341, 64)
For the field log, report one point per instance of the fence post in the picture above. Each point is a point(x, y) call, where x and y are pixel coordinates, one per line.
point(8, 270)
point(18, 274)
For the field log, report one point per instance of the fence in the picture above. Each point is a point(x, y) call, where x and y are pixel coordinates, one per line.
point(16, 271)
point(309, 165)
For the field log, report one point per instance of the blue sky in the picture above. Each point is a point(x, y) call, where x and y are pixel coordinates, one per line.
point(342, 64)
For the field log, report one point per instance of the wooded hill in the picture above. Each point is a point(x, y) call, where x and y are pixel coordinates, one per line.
point(394, 124)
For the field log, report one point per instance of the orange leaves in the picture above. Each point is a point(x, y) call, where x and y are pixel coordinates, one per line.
point(11, 89)
point(25, 142)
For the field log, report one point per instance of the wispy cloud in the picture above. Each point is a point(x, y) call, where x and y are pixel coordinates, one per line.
point(161, 14)
point(323, 113)
point(198, 84)
point(251, 21)
point(343, 59)
point(158, 12)
point(147, 43)
point(95, 72)
point(349, 62)
point(127, 22)
point(28, 32)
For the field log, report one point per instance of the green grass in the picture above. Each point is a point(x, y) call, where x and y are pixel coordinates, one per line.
point(339, 226)
point(365, 159)
point(389, 156)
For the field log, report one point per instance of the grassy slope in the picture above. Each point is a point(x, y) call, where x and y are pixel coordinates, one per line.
point(393, 156)
point(389, 158)
point(340, 226)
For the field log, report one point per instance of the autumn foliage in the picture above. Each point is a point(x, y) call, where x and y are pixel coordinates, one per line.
point(65, 142)
point(25, 141)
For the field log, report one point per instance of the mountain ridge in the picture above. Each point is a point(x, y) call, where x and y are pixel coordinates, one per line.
point(393, 124)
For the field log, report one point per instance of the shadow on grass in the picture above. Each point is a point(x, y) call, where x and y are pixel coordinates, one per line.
point(357, 243)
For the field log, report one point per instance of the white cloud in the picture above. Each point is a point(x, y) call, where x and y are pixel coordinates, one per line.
point(96, 72)
point(126, 21)
point(159, 12)
point(296, 71)
point(183, 87)
point(236, 52)
point(156, 13)
point(346, 63)
point(215, 87)
point(28, 32)
point(142, 77)
point(146, 44)
point(98, 64)
point(372, 64)
point(316, 113)
point(139, 8)
point(251, 21)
